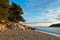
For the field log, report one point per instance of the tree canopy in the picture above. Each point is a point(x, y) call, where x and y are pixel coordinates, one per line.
point(15, 12)
point(11, 12)
point(4, 6)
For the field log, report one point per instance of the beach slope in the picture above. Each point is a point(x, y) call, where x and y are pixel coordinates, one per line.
point(25, 35)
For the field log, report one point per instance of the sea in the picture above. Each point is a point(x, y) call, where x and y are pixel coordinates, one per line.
point(48, 30)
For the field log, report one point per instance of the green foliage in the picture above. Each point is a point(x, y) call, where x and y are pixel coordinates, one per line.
point(4, 6)
point(10, 12)
point(16, 8)
point(15, 12)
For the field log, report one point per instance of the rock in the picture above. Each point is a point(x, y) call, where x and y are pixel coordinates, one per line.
point(2, 27)
point(21, 27)
point(28, 27)
point(14, 26)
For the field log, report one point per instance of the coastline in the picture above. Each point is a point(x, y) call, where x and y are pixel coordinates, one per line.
point(49, 33)
point(24, 32)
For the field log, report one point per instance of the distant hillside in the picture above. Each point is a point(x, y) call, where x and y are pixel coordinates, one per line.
point(55, 25)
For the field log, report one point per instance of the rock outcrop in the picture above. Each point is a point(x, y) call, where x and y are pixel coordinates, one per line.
point(14, 26)
point(2, 27)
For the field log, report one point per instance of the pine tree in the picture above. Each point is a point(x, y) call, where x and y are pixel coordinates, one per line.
point(10, 12)
point(15, 12)
point(4, 6)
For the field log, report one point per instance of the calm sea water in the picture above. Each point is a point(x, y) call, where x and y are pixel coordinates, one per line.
point(55, 30)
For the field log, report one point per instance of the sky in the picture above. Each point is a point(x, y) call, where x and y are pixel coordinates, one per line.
point(40, 12)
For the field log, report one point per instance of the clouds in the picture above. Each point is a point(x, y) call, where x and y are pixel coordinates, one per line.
point(53, 15)
point(50, 16)
point(47, 16)
point(53, 12)
point(45, 12)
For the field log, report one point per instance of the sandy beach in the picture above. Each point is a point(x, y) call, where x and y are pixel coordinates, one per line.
point(11, 34)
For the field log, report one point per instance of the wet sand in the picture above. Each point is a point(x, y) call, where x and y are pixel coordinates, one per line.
point(11, 34)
